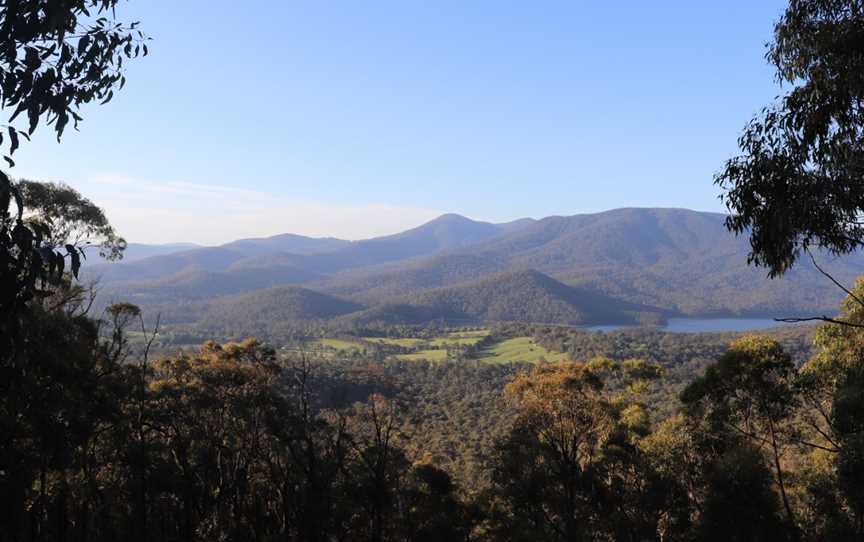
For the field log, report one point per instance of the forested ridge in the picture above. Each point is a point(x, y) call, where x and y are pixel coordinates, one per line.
point(531, 296)
point(523, 296)
point(348, 419)
point(671, 261)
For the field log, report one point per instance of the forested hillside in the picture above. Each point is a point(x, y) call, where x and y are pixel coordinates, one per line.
point(445, 233)
point(677, 260)
point(672, 261)
point(318, 255)
point(192, 284)
point(526, 296)
point(531, 296)
point(259, 311)
point(140, 251)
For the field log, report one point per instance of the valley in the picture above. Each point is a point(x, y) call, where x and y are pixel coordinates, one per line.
point(625, 267)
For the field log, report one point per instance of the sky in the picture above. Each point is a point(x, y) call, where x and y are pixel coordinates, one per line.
point(356, 119)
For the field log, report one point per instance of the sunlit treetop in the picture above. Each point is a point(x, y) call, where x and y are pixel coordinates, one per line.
point(72, 219)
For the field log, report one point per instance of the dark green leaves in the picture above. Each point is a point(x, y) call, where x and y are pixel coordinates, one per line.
point(74, 220)
point(13, 137)
point(76, 259)
point(30, 264)
point(83, 43)
point(798, 180)
point(55, 59)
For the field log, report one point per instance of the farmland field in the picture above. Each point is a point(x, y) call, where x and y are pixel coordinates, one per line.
point(427, 355)
point(518, 349)
point(504, 350)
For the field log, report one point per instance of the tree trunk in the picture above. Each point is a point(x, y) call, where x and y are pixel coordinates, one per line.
point(790, 516)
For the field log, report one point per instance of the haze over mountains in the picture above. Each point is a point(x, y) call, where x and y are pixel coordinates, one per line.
point(619, 266)
point(139, 251)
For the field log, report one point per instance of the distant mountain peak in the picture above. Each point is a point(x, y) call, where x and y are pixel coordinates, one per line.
point(449, 220)
point(451, 217)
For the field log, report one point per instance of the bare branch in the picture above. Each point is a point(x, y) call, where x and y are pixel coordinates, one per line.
point(149, 337)
point(818, 319)
point(835, 281)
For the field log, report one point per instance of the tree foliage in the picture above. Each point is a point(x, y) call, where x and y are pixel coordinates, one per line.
point(56, 57)
point(568, 469)
point(71, 218)
point(797, 182)
point(29, 266)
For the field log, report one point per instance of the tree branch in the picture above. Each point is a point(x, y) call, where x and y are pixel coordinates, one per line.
point(818, 319)
point(835, 281)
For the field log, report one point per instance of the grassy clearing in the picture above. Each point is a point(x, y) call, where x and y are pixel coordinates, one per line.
point(519, 349)
point(427, 355)
point(464, 338)
point(339, 344)
point(405, 342)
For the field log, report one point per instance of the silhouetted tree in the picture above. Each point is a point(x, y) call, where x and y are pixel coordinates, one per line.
point(740, 503)
point(797, 182)
point(71, 218)
point(54, 58)
point(57, 56)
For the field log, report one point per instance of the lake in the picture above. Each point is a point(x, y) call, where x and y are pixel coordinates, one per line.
point(705, 325)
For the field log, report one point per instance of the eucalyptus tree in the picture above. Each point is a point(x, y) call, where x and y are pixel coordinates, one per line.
point(55, 58)
point(749, 393)
point(799, 180)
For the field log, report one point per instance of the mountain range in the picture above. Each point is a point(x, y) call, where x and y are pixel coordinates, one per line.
point(619, 266)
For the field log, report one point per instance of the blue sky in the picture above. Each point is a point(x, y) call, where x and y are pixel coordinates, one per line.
point(362, 118)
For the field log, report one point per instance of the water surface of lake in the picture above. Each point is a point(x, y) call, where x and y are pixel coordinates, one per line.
point(706, 325)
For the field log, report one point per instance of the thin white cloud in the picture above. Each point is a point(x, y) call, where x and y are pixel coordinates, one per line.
point(164, 212)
